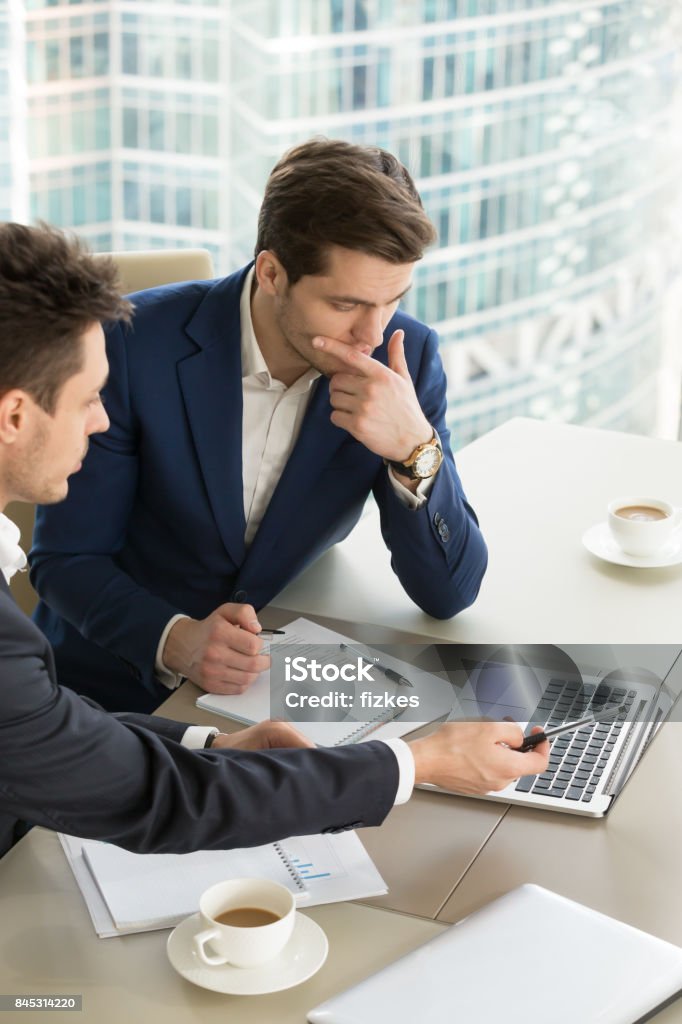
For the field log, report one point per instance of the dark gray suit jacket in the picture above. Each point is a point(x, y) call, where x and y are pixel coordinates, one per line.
point(72, 767)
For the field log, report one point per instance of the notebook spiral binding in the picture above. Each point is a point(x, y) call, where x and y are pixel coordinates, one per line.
point(296, 878)
point(367, 727)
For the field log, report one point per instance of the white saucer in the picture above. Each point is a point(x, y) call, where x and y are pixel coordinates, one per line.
point(303, 955)
point(599, 541)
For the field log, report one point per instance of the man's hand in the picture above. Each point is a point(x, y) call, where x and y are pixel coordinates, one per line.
point(474, 757)
point(377, 404)
point(264, 736)
point(220, 653)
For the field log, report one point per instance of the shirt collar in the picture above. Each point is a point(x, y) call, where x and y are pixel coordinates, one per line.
point(253, 364)
point(12, 558)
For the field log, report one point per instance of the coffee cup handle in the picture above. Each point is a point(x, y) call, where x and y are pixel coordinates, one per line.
point(199, 942)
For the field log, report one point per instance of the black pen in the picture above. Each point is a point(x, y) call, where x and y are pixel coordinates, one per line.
point(271, 632)
point(539, 737)
point(390, 673)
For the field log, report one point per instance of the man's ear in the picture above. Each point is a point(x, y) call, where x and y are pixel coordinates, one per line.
point(270, 274)
point(16, 408)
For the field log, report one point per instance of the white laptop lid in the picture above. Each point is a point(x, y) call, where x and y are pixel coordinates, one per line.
point(529, 954)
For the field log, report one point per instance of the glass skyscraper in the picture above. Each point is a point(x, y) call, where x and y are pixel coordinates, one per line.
point(544, 137)
point(128, 121)
point(13, 153)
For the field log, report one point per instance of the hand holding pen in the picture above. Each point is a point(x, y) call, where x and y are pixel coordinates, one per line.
point(530, 742)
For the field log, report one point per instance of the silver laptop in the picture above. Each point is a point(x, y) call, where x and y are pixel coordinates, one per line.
point(548, 685)
point(529, 955)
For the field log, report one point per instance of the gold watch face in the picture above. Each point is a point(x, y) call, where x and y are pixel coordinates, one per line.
point(428, 461)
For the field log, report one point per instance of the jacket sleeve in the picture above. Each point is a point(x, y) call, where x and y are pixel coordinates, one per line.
point(73, 559)
point(437, 551)
point(70, 767)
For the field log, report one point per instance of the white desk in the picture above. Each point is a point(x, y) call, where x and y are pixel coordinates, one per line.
point(48, 946)
point(536, 487)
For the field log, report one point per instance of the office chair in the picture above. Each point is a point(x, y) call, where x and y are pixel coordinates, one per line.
point(137, 270)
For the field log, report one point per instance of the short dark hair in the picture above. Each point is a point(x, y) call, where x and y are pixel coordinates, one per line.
point(327, 192)
point(51, 290)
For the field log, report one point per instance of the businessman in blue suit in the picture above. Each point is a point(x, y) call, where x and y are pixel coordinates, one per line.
point(250, 419)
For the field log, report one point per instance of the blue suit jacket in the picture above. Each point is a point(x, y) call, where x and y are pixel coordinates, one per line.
point(154, 523)
point(75, 768)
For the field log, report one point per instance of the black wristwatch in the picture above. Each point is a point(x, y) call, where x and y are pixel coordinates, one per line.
point(209, 739)
point(424, 462)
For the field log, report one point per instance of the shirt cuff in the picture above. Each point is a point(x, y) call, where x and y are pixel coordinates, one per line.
point(196, 735)
point(406, 769)
point(164, 675)
point(406, 496)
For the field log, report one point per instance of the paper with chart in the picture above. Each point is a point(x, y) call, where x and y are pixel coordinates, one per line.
point(127, 892)
point(351, 726)
point(331, 870)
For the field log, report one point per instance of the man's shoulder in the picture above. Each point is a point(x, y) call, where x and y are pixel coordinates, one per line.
point(174, 305)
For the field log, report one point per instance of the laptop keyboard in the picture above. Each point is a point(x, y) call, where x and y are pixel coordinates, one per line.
point(577, 759)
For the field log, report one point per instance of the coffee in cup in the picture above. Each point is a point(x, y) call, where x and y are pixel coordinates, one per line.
point(642, 526)
point(641, 513)
point(245, 922)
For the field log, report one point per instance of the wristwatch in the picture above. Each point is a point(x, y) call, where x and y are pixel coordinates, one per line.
point(424, 461)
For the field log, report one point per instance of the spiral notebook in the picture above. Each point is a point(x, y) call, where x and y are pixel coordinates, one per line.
point(130, 892)
point(255, 704)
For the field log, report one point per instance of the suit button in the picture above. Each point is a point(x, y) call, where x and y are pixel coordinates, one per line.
point(240, 596)
point(437, 518)
point(444, 531)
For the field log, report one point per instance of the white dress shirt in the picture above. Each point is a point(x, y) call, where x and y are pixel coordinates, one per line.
point(12, 558)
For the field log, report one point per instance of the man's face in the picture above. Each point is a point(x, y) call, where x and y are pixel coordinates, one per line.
point(53, 446)
point(352, 301)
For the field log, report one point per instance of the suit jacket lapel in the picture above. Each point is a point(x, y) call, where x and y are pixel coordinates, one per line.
point(211, 384)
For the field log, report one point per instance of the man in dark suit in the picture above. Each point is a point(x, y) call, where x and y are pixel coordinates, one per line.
point(251, 417)
point(131, 779)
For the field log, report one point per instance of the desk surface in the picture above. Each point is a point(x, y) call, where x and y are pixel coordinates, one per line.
point(48, 946)
point(626, 865)
point(536, 488)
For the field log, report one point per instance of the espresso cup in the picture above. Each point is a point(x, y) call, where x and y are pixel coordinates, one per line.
point(643, 526)
point(248, 943)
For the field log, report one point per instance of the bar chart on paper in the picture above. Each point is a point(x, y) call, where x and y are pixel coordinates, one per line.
point(322, 863)
point(333, 867)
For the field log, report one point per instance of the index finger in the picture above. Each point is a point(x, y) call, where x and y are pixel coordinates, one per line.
point(349, 355)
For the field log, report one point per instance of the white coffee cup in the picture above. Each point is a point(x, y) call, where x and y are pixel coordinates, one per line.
point(643, 526)
point(238, 945)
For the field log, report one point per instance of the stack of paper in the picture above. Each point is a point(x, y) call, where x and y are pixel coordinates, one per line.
point(128, 892)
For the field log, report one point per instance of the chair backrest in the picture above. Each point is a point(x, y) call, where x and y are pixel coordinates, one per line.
point(149, 268)
point(138, 270)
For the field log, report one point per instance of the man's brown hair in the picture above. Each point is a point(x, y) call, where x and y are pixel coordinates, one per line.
point(51, 290)
point(326, 192)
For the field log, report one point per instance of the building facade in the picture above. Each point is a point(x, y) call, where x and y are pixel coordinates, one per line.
point(543, 139)
point(127, 121)
point(544, 136)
